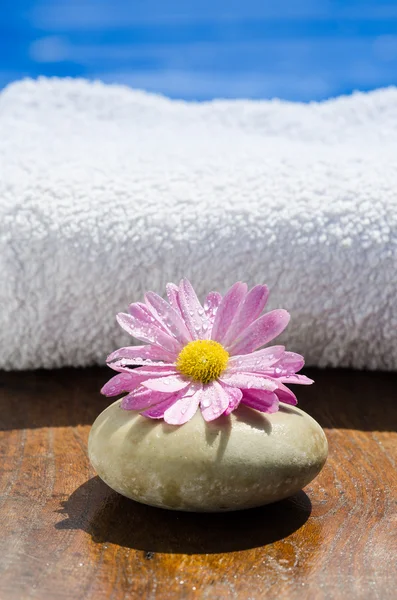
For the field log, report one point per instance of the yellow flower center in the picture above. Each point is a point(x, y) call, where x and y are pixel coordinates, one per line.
point(202, 360)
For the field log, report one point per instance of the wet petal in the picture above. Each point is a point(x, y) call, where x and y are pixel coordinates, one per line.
point(127, 366)
point(211, 305)
point(192, 311)
point(227, 311)
point(214, 400)
point(247, 381)
point(139, 325)
point(141, 305)
point(285, 395)
point(266, 402)
point(260, 332)
point(291, 362)
point(123, 382)
point(141, 398)
point(172, 383)
point(145, 314)
point(235, 395)
point(286, 366)
point(157, 410)
point(255, 362)
point(138, 355)
point(185, 406)
point(169, 318)
point(301, 379)
point(249, 310)
point(146, 319)
point(173, 296)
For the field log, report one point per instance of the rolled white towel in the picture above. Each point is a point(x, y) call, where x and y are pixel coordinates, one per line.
point(106, 192)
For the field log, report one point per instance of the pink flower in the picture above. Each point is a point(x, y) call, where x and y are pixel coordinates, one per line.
point(205, 356)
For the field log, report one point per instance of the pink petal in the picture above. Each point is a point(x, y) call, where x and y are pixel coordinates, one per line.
point(192, 311)
point(185, 407)
point(141, 305)
point(301, 379)
point(247, 381)
point(139, 326)
point(260, 332)
point(249, 310)
point(168, 317)
point(227, 310)
point(173, 383)
point(141, 398)
point(137, 355)
point(285, 395)
point(146, 314)
point(263, 401)
point(290, 362)
point(286, 366)
point(173, 296)
point(211, 305)
point(127, 366)
point(148, 371)
point(157, 411)
point(255, 362)
point(214, 400)
point(123, 382)
point(235, 395)
point(145, 318)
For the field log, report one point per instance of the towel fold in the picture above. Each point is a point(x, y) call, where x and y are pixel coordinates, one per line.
point(106, 192)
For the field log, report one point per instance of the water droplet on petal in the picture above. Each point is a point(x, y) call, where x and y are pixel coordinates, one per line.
point(200, 311)
point(206, 402)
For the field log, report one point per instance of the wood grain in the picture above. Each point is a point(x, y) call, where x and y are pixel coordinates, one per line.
point(66, 535)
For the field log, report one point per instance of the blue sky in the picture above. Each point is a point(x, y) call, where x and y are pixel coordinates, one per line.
point(197, 50)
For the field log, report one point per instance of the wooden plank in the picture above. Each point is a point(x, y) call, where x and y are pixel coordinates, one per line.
point(66, 535)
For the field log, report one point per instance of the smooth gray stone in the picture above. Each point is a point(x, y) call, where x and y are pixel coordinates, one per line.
point(241, 461)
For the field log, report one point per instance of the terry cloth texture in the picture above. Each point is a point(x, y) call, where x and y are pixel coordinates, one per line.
point(106, 192)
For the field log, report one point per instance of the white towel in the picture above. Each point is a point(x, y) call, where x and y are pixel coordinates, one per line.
point(106, 192)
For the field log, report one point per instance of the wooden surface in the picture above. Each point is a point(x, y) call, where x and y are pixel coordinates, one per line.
point(65, 534)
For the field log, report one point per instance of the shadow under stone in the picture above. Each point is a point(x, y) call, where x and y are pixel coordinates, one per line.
point(110, 518)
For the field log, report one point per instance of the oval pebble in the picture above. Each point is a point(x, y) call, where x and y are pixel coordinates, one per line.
point(247, 459)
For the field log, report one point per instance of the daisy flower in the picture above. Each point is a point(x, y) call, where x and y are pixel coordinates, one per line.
point(203, 356)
